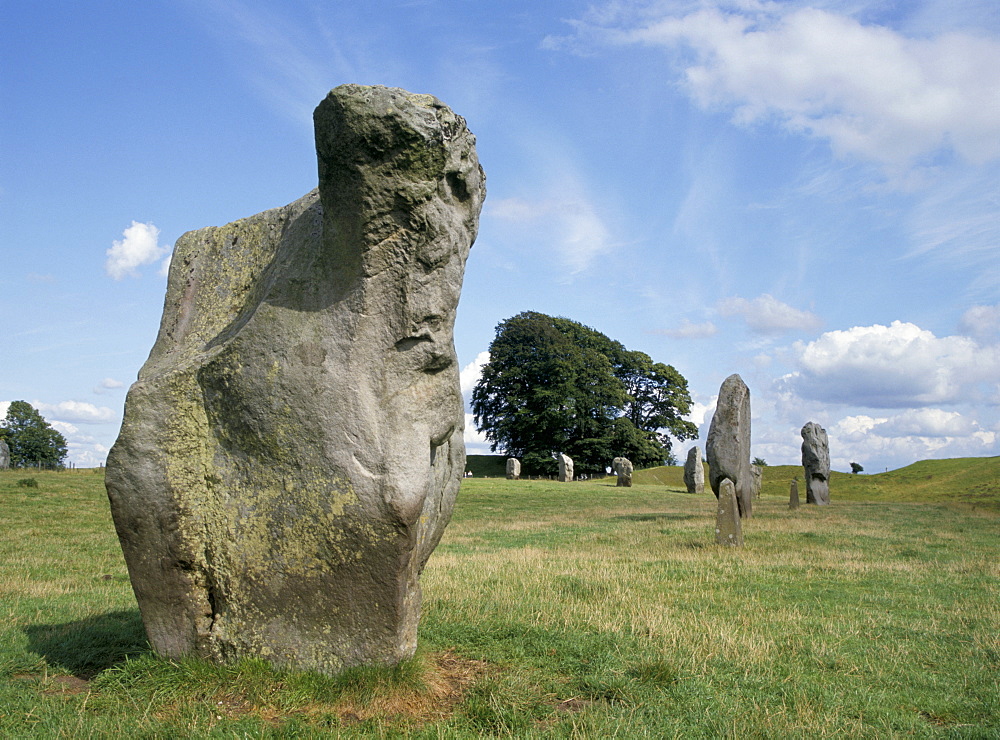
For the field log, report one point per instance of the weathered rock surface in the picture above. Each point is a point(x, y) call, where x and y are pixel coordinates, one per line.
point(793, 494)
point(694, 471)
point(291, 451)
point(728, 444)
point(816, 461)
point(728, 527)
point(565, 468)
point(623, 469)
point(513, 468)
point(757, 479)
point(4, 455)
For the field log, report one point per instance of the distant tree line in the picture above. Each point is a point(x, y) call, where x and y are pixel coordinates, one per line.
point(554, 385)
point(32, 440)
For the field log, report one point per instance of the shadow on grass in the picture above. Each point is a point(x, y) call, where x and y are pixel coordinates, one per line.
point(88, 646)
point(656, 517)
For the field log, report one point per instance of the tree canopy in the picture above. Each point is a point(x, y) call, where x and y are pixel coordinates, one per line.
point(32, 441)
point(554, 385)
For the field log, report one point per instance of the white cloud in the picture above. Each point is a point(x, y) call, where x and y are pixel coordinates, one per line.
point(765, 314)
point(475, 441)
point(856, 428)
point(469, 375)
point(981, 321)
point(4, 405)
point(84, 452)
point(699, 411)
point(894, 366)
point(108, 384)
point(64, 429)
point(927, 423)
point(138, 247)
point(571, 224)
point(689, 330)
point(915, 434)
point(867, 89)
point(75, 411)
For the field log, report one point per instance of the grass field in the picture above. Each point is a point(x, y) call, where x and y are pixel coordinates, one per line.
point(561, 610)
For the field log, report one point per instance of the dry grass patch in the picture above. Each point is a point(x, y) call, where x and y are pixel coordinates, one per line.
point(431, 695)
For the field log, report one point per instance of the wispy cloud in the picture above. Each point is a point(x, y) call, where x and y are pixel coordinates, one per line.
point(868, 90)
point(108, 385)
point(688, 330)
point(982, 322)
point(957, 223)
point(569, 223)
point(291, 63)
point(765, 314)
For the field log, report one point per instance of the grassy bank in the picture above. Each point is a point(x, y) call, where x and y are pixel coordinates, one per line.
point(970, 481)
point(550, 610)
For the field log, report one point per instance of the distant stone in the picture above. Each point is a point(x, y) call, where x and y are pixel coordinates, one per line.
point(513, 468)
point(729, 443)
point(757, 479)
point(566, 468)
point(694, 471)
point(624, 471)
point(291, 452)
point(4, 455)
point(816, 461)
point(728, 527)
point(793, 494)
point(616, 465)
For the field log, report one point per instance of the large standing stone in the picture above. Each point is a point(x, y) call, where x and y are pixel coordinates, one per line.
point(729, 442)
point(728, 527)
point(291, 452)
point(513, 468)
point(816, 461)
point(694, 471)
point(624, 469)
point(793, 494)
point(4, 455)
point(565, 468)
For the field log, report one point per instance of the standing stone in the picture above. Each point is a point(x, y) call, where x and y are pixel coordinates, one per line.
point(757, 479)
point(728, 527)
point(4, 455)
point(624, 471)
point(616, 465)
point(292, 449)
point(793, 494)
point(565, 468)
point(729, 442)
point(816, 461)
point(513, 468)
point(694, 471)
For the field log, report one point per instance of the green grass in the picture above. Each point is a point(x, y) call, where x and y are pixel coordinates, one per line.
point(561, 610)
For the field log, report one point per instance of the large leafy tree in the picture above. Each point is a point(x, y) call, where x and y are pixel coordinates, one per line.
point(32, 441)
point(555, 385)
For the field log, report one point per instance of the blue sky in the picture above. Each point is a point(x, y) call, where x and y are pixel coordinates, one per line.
point(806, 193)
